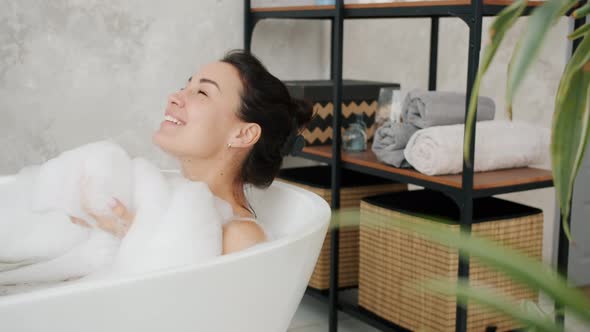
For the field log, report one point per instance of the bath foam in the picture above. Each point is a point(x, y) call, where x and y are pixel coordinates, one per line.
point(151, 200)
point(27, 237)
point(82, 259)
point(188, 231)
point(40, 244)
point(92, 173)
point(177, 222)
point(187, 238)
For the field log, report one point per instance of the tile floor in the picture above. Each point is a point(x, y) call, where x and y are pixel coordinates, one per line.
point(312, 316)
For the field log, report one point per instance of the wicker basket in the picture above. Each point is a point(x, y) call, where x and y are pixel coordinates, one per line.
point(354, 186)
point(391, 261)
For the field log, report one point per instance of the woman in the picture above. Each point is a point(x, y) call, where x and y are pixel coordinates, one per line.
point(230, 126)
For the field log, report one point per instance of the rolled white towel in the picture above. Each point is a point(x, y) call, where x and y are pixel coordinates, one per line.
point(498, 145)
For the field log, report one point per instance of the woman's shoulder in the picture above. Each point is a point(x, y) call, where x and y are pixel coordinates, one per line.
point(239, 234)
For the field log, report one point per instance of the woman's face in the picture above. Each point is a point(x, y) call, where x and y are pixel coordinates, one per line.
point(200, 118)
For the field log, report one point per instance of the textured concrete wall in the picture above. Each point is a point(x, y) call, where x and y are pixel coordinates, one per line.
point(73, 72)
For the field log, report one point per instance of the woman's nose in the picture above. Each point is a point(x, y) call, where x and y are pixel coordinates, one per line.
point(176, 99)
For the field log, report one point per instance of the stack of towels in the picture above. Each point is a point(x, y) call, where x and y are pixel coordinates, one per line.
point(430, 136)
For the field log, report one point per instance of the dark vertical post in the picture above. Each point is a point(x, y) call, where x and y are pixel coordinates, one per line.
point(432, 69)
point(248, 26)
point(336, 65)
point(562, 263)
point(474, 23)
point(563, 244)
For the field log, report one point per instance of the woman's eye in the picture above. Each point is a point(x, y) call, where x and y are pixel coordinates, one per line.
point(202, 92)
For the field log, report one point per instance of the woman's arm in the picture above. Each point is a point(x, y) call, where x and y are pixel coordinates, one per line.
point(239, 235)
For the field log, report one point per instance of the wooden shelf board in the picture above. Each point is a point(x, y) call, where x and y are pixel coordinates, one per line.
point(290, 8)
point(392, 4)
point(481, 180)
point(509, 2)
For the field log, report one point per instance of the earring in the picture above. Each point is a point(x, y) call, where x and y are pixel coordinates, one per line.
point(228, 145)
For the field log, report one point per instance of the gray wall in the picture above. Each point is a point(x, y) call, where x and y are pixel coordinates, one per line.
point(72, 72)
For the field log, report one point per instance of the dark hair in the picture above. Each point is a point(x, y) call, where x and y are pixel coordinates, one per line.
point(265, 100)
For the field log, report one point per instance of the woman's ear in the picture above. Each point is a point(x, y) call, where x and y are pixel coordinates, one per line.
point(247, 135)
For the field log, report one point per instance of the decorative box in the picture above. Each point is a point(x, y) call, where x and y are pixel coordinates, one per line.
point(358, 97)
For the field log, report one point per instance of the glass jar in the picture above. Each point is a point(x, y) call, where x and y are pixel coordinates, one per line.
point(325, 2)
point(388, 106)
point(354, 138)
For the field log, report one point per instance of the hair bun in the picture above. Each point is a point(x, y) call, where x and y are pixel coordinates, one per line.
point(294, 144)
point(302, 112)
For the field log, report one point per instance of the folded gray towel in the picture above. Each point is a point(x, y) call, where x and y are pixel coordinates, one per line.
point(390, 140)
point(426, 109)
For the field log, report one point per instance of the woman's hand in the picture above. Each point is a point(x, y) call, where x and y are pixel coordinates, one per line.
point(118, 225)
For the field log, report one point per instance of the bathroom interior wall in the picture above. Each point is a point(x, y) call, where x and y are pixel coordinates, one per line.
point(73, 72)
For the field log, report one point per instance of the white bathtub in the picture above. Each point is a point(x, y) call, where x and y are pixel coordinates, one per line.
point(255, 290)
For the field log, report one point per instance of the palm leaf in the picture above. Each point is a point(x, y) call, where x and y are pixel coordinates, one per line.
point(581, 31)
point(345, 217)
point(571, 120)
point(582, 11)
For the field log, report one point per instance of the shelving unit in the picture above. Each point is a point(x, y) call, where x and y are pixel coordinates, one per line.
point(484, 184)
point(461, 188)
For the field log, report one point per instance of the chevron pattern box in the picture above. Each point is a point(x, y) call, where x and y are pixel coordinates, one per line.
point(358, 97)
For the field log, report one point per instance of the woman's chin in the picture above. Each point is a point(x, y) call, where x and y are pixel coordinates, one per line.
point(167, 143)
point(161, 140)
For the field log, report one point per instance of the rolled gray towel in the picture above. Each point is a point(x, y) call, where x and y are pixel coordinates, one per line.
point(426, 109)
point(390, 140)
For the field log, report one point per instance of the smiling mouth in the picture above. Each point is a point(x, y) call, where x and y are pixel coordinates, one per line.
point(174, 120)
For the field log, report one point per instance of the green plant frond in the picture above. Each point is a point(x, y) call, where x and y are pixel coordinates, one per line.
point(582, 11)
point(345, 217)
point(570, 134)
point(570, 127)
point(580, 32)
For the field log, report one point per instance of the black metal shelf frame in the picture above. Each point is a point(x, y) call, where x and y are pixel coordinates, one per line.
point(472, 14)
point(383, 12)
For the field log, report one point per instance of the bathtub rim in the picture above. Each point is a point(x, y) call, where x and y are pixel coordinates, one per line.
point(323, 212)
